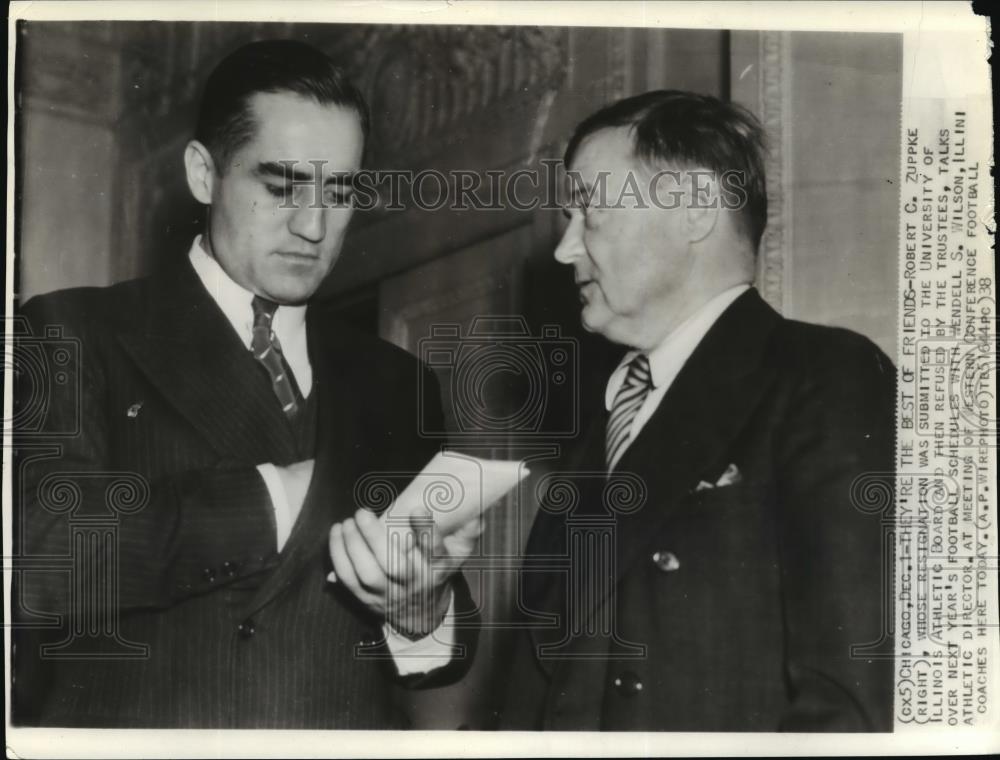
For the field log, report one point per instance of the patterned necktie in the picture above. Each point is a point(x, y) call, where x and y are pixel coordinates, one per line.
point(628, 400)
point(266, 349)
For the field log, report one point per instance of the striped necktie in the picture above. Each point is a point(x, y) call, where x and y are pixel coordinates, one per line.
point(266, 349)
point(628, 400)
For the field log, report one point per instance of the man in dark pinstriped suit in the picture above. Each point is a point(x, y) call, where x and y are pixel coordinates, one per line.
point(217, 608)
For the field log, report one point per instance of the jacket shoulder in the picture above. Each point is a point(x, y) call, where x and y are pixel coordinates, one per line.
point(808, 348)
point(77, 309)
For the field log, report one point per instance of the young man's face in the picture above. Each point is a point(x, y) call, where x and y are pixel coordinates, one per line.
point(630, 256)
point(277, 238)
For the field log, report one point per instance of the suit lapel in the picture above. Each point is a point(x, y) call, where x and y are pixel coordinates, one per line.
point(704, 410)
point(331, 493)
point(188, 350)
point(685, 440)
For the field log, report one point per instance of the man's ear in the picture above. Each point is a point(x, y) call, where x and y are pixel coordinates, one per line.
point(701, 190)
point(200, 169)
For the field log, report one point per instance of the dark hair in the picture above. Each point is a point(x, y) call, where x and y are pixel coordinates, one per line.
point(225, 122)
point(684, 129)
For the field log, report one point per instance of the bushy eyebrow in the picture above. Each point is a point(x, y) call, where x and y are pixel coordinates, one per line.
point(286, 173)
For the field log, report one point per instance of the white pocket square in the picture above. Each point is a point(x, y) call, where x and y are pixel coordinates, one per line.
point(730, 477)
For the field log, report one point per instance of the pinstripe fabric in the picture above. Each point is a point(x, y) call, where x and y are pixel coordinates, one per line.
point(199, 559)
point(629, 398)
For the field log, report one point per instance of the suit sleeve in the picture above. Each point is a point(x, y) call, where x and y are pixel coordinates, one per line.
point(840, 427)
point(171, 538)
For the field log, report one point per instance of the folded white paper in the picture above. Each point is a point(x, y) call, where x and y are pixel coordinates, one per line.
point(456, 488)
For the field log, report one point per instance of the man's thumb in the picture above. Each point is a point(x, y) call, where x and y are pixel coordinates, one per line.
point(425, 531)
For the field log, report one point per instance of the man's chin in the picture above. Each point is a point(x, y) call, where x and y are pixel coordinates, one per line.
point(606, 324)
point(291, 294)
point(594, 320)
point(293, 281)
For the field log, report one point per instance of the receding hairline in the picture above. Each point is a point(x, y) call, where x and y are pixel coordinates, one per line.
point(652, 164)
point(253, 119)
point(251, 103)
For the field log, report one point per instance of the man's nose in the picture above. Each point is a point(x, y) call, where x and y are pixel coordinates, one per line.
point(309, 222)
point(571, 246)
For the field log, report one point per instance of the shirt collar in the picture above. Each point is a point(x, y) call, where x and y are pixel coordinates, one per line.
point(667, 358)
point(234, 300)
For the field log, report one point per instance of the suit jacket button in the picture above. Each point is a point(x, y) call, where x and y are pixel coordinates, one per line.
point(666, 561)
point(229, 568)
point(628, 684)
point(247, 629)
point(208, 574)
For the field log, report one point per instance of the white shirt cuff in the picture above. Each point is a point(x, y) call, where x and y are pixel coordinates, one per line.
point(279, 501)
point(423, 655)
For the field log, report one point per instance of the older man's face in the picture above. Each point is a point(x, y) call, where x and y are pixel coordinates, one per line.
point(277, 235)
point(629, 255)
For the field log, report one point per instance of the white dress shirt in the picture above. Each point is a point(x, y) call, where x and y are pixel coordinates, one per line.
point(667, 359)
point(289, 326)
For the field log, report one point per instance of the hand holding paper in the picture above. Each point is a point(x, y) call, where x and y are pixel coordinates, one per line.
point(399, 564)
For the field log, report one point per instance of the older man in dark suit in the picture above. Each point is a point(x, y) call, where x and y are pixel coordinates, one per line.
point(238, 418)
point(742, 588)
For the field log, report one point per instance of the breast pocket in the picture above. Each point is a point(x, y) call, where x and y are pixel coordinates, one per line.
point(149, 436)
point(718, 533)
point(707, 502)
